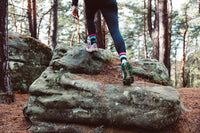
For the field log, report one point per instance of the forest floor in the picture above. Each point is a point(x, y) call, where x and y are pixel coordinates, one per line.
point(12, 119)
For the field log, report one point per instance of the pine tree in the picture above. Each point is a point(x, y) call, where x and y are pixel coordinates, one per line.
point(29, 13)
point(6, 94)
point(55, 24)
point(34, 19)
point(99, 34)
point(154, 32)
point(164, 52)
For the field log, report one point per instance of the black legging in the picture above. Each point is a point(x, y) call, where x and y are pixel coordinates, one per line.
point(109, 10)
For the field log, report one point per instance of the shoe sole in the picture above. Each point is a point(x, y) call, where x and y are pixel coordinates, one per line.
point(128, 75)
point(91, 50)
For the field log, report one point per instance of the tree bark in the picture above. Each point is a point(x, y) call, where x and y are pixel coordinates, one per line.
point(55, 24)
point(34, 19)
point(170, 32)
point(138, 47)
point(112, 46)
point(6, 94)
point(184, 48)
point(164, 55)
point(30, 17)
point(85, 24)
point(162, 29)
point(154, 32)
point(145, 39)
point(99, 35)
point(49, 30)
point(199, 6)
point(187, 73)
point(175, 69)
point(105, 33)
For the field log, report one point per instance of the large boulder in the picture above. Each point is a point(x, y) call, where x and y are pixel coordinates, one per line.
point(62, 101)
point(78, 60)
point(153, 70)
point(28, 58)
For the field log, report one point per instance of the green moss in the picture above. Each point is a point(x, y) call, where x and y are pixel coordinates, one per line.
point(38, 47)
point(31, 57)
point(24, 76)
point(57, 79)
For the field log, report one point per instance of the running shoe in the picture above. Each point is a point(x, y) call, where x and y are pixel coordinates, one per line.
point(127, 73)
point(92, 48)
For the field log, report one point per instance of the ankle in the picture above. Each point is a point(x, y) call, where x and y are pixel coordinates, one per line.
point(92, 38)
point(122, 56)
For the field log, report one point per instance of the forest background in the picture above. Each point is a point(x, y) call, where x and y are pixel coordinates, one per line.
point(51, 22)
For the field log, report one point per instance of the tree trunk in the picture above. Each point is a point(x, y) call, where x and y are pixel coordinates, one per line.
point(170, 32)
point(55, 24)
point(112, 46)
point(34, 19)
point(145, 39)
point(86, 35)
point(164, 55)
point(85, 24)
point(183, 65)
point(105, 33)
point(187, 72)
point(184, 49)
point(199, 6)
point(99, 34)
point(49, 30)
point(154, 33)
point(175, 69)
point(13, 12)
point(6, 94)
point(30, 17)
point(162, 31)
point(138, 47)
point(21, 17)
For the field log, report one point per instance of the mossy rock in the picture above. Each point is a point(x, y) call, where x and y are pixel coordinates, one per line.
point(28, 58)
point(153, 70)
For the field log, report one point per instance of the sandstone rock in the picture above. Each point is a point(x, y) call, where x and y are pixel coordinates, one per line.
point(78, 60)
point(61, 101)
point(153, 70)
point(28, 59)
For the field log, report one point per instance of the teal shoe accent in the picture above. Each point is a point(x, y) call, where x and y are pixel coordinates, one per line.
point(127, 73)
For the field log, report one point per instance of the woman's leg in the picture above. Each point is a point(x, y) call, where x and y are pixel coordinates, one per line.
point(110, 13)
point(90, 21)
point(91, 29)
